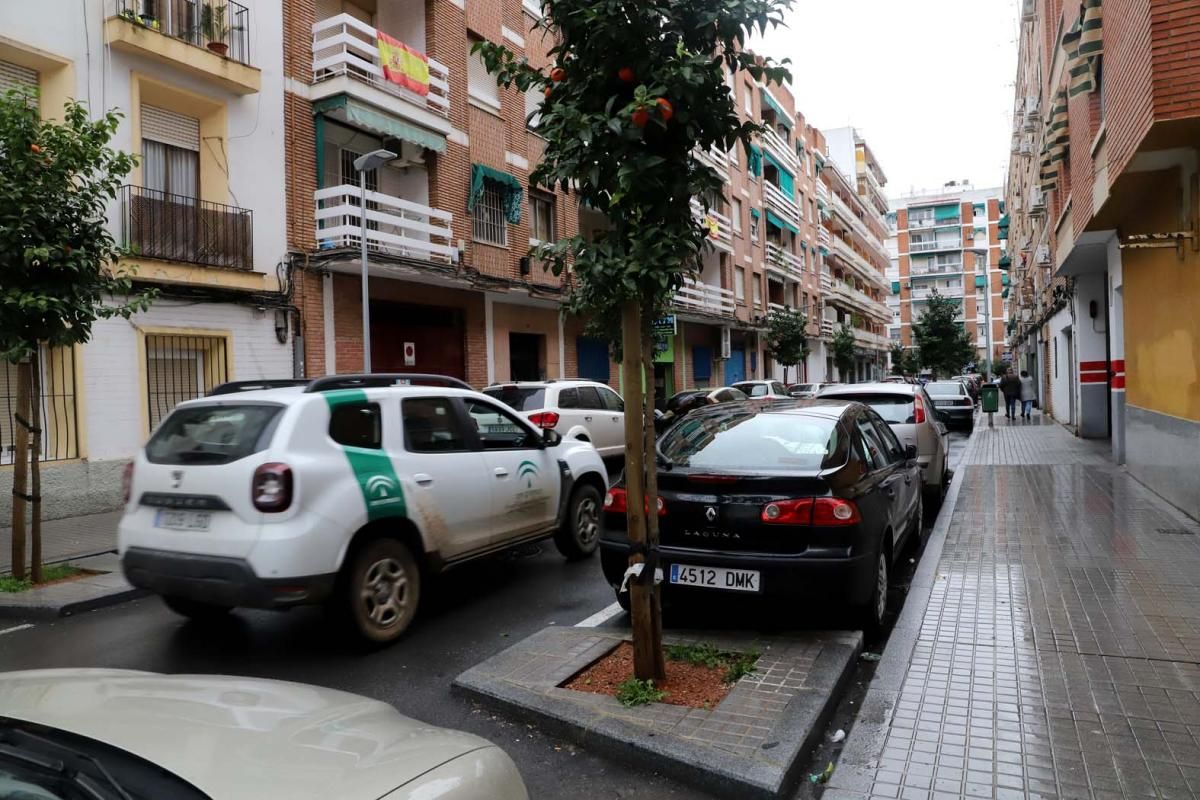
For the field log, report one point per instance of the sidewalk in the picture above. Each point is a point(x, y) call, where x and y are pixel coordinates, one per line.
point(1050, 645)
point(70, 538)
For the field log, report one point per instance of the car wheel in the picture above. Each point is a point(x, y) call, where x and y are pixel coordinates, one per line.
point(871, 614)
point(623, 600)
point(196, 609)
point(580, 532)
point(382, 591)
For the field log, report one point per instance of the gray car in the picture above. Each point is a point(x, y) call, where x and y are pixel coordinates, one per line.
point(911, 414)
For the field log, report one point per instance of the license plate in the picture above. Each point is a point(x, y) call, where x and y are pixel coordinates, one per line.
point(737, 580)
point(943, 402)
point(182, 520)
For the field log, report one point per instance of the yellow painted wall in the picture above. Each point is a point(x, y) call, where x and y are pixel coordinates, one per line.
point(508, 319)
point(214, 174)
point(56, 75)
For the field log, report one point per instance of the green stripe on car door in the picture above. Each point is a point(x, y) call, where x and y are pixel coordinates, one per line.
point(377, 480)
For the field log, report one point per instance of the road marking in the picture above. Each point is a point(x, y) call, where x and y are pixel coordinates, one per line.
point(600, 617)
point(16, 628)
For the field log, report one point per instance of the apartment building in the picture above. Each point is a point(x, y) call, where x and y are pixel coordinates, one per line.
point(854, 275)
point(1103, 230)
point(946, 240)
point(202, 107)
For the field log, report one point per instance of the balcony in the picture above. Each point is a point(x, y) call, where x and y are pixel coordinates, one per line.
point(719, 162)
point(778, 308)
point(850, 257)
point(822, 192)
point(784, 261)
point(394, 226)
point(828, 327)
point(174, 227)
point(933, 222)
point(346, 61)
point(720, 230)
point(703, 297)
point(934, 270)
point(873, 341)
point(211, 42)
point(824, 239)
point(934, 246)
point(826, 280)
point(780, 203)
point(779, 148)
point(924, 293)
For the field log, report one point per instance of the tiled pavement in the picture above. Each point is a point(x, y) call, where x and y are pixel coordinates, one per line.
point(1059, 653)
point(69, 538)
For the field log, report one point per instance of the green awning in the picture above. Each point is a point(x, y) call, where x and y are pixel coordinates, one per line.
point(895, 287)
point(980, 281)
point(512, 190)
point(784, 117)
point(773, 219)
point(755, 161)
point(754, 212)
point(1004, 221)
point(360, 115)
point(1004, 280)
point(1005, 261)
point(1004, 294)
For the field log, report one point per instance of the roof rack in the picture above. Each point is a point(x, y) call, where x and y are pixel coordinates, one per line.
point(233, 387)
point(376, 379)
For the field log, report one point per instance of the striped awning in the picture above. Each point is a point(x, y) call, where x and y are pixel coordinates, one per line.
point(1083, 45)
point(1055, 137)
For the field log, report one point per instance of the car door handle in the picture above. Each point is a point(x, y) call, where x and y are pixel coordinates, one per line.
point(422, 479)
point(587, 419)
point(500, 472)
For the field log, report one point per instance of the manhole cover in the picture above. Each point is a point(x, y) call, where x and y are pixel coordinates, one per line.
point(1176, 531)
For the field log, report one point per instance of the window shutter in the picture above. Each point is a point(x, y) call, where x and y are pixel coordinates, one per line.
point(164, 126)
point(480, 83)
point(14, 76)
point(533, 100)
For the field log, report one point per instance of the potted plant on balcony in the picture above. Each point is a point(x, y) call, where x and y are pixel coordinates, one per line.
point(214, 29)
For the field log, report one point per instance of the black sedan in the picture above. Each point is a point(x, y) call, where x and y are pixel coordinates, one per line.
point(953, 402)
point(797, 498)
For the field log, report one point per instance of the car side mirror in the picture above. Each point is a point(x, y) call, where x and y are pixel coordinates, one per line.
point(910, 452)
point(551, 438)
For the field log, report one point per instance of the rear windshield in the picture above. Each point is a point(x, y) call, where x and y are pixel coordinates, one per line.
point(750, 441)
point(752, 389)
point(945, 387)
point(522, 398)
point(895, 408)
point(212, 434)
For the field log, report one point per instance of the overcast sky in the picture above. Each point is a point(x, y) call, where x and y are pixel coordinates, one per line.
point(928, 83)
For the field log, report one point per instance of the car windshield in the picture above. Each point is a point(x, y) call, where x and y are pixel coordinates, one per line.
point(522, 398)
point(894, 408)
point(752, 441)
point(213, 434)
point(945, 387)
point(753, 389)
point(802, 387)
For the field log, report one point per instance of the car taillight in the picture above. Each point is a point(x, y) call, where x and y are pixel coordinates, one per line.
point(271, 488)
point(788, 512)
point(544, 419)
point(918, 410)
point(615, 502)
point(829, 511)
point(127, 481)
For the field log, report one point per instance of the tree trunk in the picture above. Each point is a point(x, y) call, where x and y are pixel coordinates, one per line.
point(650, 443)
point(20, 470)
point(35, 468)
point(645, 646)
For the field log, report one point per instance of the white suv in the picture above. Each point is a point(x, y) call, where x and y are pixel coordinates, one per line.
point(585, 410)
point(348, 490)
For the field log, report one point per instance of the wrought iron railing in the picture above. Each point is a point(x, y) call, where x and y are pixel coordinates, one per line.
point(221, 26)
point(58, 415)
point(179, 228)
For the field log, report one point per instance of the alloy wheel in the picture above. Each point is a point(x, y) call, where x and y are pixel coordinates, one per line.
point(881, 586)
point(587, 521)
point(384, 593)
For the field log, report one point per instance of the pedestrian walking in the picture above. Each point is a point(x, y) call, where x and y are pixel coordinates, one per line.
point(1010, 386)
point(1028, 392)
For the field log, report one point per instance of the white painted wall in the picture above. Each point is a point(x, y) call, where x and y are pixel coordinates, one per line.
point(1062, 366)
point(840, 144)
point(112, 404)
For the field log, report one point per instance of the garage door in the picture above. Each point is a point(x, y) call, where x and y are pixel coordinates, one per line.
point(433, 335)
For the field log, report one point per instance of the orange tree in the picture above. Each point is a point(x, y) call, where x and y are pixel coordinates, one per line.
point(636, 89)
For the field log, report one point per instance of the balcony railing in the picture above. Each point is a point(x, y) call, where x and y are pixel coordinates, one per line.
point(940, 269)
point(942, 291)
point(720, 230)
point(780, 149)
point(826, 280)
point(851, 258)
point(718, 161)
point(778, 308)
point(822, 192)
point(394, 226)
point(221, 26)
point(345, 46)
point(823, 237)
point(828, 327)
point(175, 227)
point(931, 222)
point(928, 247)
point(780, 203)
point(700, 296)
point(785, 260)
point(849, 296)
point(871, 340)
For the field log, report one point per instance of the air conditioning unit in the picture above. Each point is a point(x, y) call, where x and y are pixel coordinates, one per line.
point(410, 155)
point(1042, 254)
point(1026, 147)
point(1037, 199)
point(726, 343)
point(1032, 105)
point(1028, 10)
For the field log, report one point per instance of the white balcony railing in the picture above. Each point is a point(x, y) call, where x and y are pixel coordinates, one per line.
point(784, 260)
point(778, 148)
point(345, 46)
point(932, 222)
point(841, 249)
point(871, 340)
point(827, 327)
point(923, 293)
point(777, 308)
point(826, 280)
point(780, 203)
point(822, 192)
point(699, 296)
point(823, 237)
point(849, 297)
point(393, 225)
point(718, 161)
point(928, 247)
point(720, 230)
point(939, 269)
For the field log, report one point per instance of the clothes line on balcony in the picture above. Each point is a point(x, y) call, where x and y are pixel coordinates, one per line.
point(360, 115)
point(512, 190)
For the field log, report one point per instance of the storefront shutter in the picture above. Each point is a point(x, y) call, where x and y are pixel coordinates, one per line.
point(164, 126)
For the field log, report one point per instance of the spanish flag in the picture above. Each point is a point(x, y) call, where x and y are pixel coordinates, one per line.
point(404, 66)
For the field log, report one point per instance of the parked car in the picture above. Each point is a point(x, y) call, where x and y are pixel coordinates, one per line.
point(763, 389)
point(971, 384)
point(911, 413)
point(349, 491)
point(900, 379)
point(584, 410)
point(803, 498)
point(953, 399)
point(109, 734)
point(806, 390)
point(681, 403)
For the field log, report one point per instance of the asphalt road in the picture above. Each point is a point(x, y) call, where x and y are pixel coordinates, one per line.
point(467, 617)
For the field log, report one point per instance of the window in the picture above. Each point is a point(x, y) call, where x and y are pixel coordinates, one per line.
point(357, 424)
point(743, 439)
point(612, 400)
point(490, 222)
point(757, 290)
point(739, 283)
point(803, 254)
point(213, 434)
point(170, 152)
point(15, 76)
point(749, 99)
point(522, 398)
point(60, 437)
point(568, 398)
point(812, 209)
point(498, 429)
point(589, 398)
point(431, 426)
point(533, 101)
point(803, 204)
point(481, 84)
point(753, 228)
point(870, 448)
point(541, 211)
point(778, 388)
point(804, 302)
point(182, 367)
point(891, 445)
point(735, 214)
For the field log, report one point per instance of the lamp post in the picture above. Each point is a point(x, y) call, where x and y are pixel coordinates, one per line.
point(364, 164)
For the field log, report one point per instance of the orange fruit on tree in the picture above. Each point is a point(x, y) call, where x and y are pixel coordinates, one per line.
point(557, 74)
point(626, 74)
point(640, 117)
point(665, 109)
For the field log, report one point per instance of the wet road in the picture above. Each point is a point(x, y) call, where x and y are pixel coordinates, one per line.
point(470, 615)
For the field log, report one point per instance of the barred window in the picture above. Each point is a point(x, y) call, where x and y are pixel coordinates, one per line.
point(491, 225)
point(56, 409)
point(182, 367)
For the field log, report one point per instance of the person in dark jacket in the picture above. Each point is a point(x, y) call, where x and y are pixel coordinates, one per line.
point(1010, 386)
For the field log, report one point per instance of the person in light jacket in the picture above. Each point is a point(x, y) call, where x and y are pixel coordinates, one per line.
point(1028, 392)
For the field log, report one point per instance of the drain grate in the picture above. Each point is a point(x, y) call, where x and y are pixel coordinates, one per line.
point(1176, 531)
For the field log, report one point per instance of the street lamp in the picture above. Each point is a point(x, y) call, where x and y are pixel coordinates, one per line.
point(364, 164)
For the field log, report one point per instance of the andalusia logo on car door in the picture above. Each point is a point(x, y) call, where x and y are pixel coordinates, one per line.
point(527, 471)
point(377, 479)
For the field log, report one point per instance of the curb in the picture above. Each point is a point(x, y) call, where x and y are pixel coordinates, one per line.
point(51, 611)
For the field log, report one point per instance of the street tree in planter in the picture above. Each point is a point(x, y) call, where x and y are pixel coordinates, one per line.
point(786, 341)
point(635, 90)
point(844, 351)
point(944, 347)
point(58, 268)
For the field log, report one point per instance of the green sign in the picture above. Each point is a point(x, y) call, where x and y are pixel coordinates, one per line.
point(377, 479)
point(664, 349)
